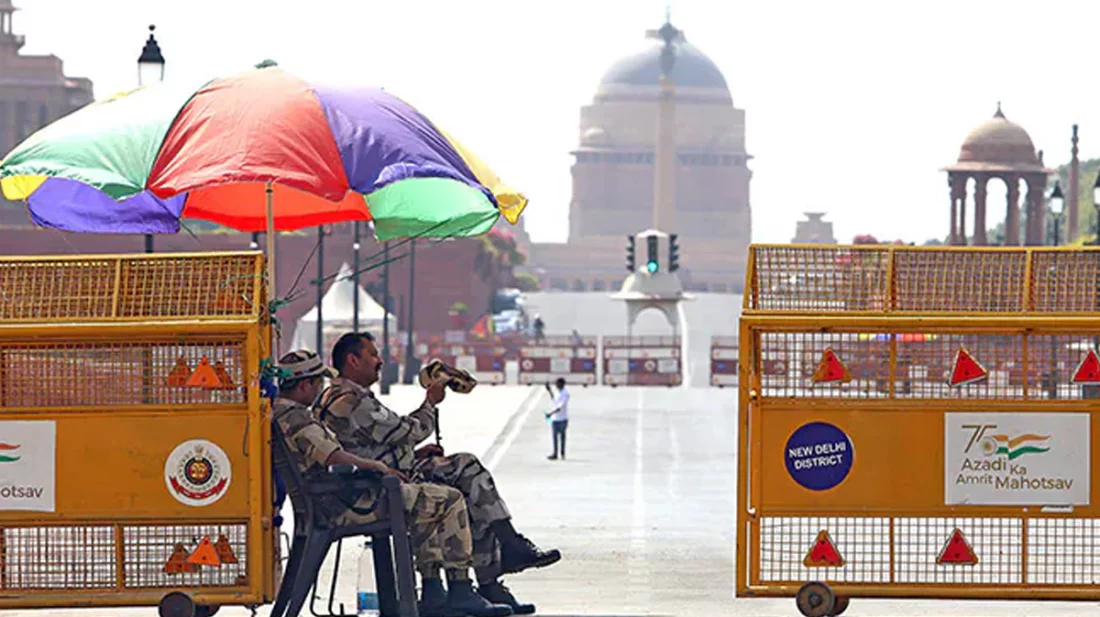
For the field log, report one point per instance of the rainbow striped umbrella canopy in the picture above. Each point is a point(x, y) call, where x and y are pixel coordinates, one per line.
point(236, 149)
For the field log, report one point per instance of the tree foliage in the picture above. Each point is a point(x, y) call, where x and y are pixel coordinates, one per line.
point(1086, 209)
point(497, 257)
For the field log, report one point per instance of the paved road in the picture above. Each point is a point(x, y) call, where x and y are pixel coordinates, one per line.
point(643, 511)
point(641, 508)
point(594, 313)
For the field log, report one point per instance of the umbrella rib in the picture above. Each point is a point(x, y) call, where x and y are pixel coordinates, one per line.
point(295, 293)
point(405, 241)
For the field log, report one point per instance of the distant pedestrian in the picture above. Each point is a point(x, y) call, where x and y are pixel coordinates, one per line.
point(558, 416)
point(540, 336)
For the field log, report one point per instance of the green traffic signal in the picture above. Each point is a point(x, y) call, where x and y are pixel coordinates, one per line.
point(651, 254)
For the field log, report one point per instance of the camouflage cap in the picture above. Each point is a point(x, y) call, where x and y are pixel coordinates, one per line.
point(303, 364)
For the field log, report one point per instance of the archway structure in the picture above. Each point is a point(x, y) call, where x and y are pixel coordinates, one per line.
point(998, 148)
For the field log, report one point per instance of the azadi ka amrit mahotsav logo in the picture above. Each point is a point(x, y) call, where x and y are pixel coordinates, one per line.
point(1015, 447)
point(9, 452)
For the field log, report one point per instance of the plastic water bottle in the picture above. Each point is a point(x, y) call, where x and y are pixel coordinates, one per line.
point(367, 598)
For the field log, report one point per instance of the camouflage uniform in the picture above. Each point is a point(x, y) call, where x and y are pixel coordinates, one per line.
point(368, 429)
point(436, 515)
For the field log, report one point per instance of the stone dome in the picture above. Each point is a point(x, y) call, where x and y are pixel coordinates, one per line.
point(693, 69)
point(999, 141)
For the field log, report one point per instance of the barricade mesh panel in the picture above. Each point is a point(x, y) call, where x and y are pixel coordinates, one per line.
point(129, 287)
point(841, 279)
point(148, 548)
point(1063, 281)
point(924, 365)
point(73, 557)
point(958, 281)
point(818, 279)
point(91, 374)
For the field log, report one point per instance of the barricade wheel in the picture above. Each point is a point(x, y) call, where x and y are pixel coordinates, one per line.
point(840, 606)
point(177, 604)
point(815, 600)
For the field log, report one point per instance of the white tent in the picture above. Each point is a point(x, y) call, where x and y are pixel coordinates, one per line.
point(338, 313)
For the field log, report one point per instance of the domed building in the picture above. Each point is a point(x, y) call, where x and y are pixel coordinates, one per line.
point(613, 175)
point(997, 149)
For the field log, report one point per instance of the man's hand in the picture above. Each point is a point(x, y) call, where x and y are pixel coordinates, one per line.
point(436, 392)
point(429, 451)
point(342, 457)
point(386, 470)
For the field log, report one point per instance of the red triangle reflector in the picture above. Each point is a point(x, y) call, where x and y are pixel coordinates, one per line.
point(1088, 371)
point(831, 369)
point(823, 553)
point(957, 551)
point(967, 370)
point(205, 554)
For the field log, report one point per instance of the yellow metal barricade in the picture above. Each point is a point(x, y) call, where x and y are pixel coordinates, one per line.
point(134, 441)
point(917, 422)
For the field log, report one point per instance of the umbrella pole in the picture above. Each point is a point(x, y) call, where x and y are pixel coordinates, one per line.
point(270, 196)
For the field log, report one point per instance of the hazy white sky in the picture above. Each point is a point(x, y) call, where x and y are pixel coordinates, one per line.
point(852, 106)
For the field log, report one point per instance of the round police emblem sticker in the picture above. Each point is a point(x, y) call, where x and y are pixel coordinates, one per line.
point(197, 473)
point(819, 456)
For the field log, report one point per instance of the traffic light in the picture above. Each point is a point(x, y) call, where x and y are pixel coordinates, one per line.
point(673, 254)
point(651, 265)
point(630, 254)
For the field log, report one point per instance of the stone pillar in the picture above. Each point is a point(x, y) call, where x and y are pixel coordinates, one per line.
point(1035, 214)
point(665, 163)
point(951, 233)
point(1012, 213)
point(960, 233)
point(1072, 190)
point(980, 182)
point(957, 184)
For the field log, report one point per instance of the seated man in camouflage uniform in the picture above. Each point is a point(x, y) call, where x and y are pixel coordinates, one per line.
point(367, 428)
point(436, 515)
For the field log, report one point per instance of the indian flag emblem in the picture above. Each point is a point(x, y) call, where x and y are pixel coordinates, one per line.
point(1015, 447)
point(9, 452)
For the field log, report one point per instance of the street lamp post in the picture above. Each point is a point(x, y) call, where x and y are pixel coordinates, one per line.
point(1096, 205)
point(1093, 391)
point(1057, 201)
point(150, 70)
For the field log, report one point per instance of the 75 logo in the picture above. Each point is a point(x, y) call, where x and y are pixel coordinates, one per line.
point(977, 431)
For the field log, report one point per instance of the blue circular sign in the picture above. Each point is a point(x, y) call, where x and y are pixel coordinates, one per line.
point(819, 456)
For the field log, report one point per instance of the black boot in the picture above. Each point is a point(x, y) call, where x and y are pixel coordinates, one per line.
point(461, 597)
point(433, 598)
point(497, 593)
point(520, 554)
point(517, 553)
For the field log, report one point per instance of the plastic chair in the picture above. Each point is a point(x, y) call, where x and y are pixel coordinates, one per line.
point(313, 536)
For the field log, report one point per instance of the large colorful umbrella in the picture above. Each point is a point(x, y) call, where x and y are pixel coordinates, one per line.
point(259, 151)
